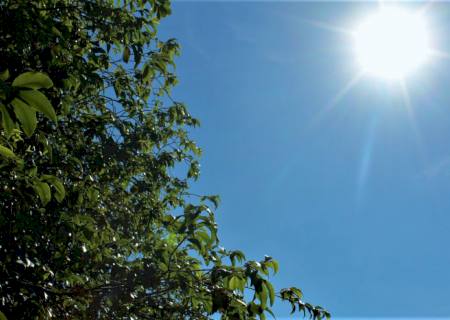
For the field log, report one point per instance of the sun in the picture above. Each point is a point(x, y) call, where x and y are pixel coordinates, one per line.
point(392, 43)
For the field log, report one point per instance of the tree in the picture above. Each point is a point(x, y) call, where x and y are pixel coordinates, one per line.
point(94, 224)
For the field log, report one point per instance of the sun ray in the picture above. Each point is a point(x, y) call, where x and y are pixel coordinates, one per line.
point(353, 81)
point(329, 27)
point(412, 119)
point(366, 158)
point(336, 99)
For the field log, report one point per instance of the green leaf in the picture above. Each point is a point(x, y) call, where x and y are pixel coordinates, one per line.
point(147, 73)
point(263, 296)
point(33, 80)
point(297, 292)
point(43, 190)
point(56, 32)
point(271, 263)
point(126, 54)
point(293, 308)
point(271, 313)
point(7, 122)
point(60, 192)
point(215, 199)
point(271, 291)
point(26, 116)
point(2, 316)
point(234, 283)
point(93, 195)
point(137, 56)
point(196, 242)
point(275, 266)
point(237, 255)
point(6, 152)
point(253, 308)
point(38, 101)
point(4, 75)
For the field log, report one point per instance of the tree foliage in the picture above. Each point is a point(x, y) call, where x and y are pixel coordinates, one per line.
point(94, 223)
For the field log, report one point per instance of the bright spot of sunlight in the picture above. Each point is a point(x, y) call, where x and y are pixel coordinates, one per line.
point(392, 42)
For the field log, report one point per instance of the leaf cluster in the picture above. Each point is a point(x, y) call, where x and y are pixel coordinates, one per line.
point(97, 222)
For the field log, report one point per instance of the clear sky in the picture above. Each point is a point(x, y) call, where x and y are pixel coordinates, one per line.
point(347, 189)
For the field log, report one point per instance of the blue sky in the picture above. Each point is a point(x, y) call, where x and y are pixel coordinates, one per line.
point(349, 191)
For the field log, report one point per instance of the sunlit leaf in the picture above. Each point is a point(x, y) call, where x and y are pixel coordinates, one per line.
point(43, 190)
point(60, 192)
point(33, 80)
point(271, 292)
point(235, 283)
point(7, 152)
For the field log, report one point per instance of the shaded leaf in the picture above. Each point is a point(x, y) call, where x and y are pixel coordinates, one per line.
point(56, 32)
point(4, 75)
point(126, 54)
point(196, 242)
point(147, 73)
point(137, 56)
point(26, 116)
point(38, 101)
point(7, 122)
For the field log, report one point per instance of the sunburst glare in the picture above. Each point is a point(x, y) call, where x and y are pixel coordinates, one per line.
point(392, 42)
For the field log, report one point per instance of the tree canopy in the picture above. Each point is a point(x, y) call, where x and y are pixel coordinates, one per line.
point(94, 222)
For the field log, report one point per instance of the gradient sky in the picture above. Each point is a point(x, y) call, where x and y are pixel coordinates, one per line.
point(347, 189)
